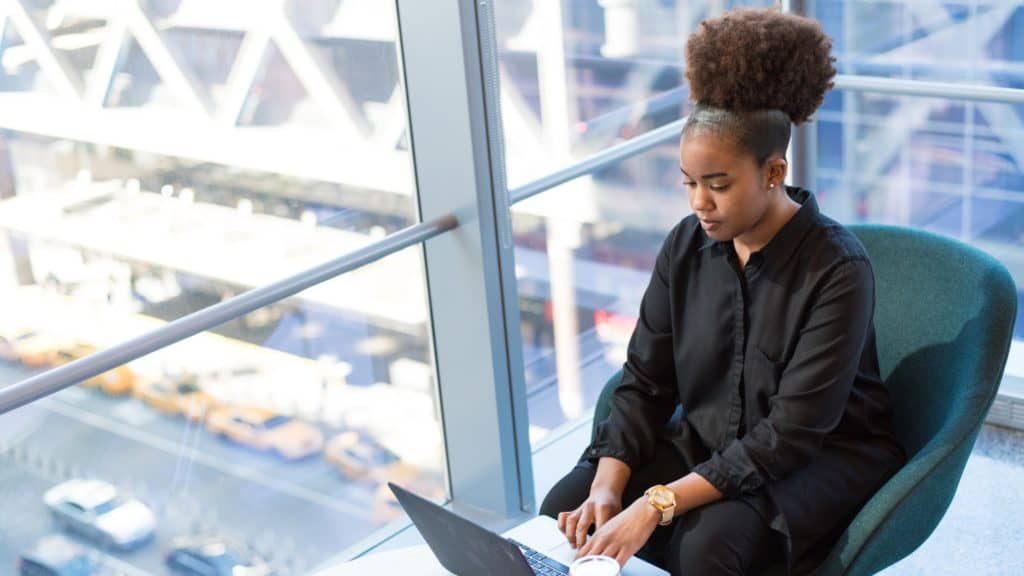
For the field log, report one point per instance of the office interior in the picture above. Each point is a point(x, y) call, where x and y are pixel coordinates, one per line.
point(258, 258)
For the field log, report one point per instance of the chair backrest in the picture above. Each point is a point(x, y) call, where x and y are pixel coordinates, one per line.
point(944, 320)
point(944, 317)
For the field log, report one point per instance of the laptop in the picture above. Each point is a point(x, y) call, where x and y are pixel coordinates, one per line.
point(466, 548)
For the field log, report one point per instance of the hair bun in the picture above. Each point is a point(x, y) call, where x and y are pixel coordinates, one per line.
point(755, 59)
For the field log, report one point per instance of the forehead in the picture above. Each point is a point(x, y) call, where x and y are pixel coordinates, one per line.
point(702, 151)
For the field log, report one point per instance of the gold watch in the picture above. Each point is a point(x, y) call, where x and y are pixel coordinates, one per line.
point(664, 501)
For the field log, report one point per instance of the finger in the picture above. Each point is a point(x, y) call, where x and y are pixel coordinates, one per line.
point(612, 550)
point(570, 528)
point(622, 557)
point(601, 515)
point(591, 547)
point(586, 519)
point(561, 521)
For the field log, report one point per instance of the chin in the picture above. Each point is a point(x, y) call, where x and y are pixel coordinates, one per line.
point(718, 235)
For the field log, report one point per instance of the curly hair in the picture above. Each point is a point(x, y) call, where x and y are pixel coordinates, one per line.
point(760, 59)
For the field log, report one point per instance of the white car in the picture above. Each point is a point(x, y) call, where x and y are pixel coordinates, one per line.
point(93, 509)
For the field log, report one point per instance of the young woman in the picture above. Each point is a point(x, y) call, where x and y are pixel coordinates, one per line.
point(751, 424)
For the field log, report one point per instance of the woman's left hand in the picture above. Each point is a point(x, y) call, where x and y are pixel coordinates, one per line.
point(623, 535)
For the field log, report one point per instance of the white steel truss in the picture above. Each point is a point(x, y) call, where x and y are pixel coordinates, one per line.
point(81, 101)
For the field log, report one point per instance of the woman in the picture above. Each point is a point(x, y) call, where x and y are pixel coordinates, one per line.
point(757, 326)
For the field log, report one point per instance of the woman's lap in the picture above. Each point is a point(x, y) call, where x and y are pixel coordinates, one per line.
point(724, 537)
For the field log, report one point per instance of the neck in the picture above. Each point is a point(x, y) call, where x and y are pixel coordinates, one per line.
point(781, 209)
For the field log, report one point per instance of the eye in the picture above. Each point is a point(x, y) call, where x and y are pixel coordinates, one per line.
point(689, 184)
point(719, 188)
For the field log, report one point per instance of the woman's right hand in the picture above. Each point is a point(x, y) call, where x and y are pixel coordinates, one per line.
point(601, 506)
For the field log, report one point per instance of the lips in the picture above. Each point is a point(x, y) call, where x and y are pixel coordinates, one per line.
point(710, 225)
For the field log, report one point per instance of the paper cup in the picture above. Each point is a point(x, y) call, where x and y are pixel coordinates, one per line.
point(594, 566)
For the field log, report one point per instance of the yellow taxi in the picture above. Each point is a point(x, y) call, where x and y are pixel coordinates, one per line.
point(266, 430)
point(177, 395)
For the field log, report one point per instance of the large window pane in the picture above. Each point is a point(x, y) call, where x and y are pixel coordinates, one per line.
point(278, 433)
point(160, 159)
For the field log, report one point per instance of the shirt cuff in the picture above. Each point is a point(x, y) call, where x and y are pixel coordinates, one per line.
point(731, 472)
point(597, 452)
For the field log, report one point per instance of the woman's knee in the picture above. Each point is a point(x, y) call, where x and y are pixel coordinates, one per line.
point(700, 553)
point(569, 492)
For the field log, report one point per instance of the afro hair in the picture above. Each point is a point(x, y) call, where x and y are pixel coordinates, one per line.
point(758, 59)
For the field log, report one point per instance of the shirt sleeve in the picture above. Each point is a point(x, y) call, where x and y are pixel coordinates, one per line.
point(645, 398)
point(813, 388)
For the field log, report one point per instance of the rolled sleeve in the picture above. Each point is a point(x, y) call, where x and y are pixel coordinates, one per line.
point(813, 388)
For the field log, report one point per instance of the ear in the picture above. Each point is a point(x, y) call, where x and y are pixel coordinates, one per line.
point(775, 169)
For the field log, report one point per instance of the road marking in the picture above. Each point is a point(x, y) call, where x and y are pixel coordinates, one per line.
point(56, 405)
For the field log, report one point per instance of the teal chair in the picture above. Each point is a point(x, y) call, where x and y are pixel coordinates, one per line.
point(944, 319)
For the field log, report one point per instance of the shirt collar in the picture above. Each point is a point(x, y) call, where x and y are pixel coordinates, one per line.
point(785, 241)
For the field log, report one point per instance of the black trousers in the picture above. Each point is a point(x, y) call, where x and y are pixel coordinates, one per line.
point(724, 537)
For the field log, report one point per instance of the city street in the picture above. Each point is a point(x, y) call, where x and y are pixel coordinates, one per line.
point(295, 513)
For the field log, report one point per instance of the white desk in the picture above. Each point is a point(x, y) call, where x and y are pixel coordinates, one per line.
point(539, 533)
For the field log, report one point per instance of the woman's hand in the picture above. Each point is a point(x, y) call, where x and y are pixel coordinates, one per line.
point(622, 536)
point(600, 507)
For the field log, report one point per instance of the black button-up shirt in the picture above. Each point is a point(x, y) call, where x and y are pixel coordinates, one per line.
point(774, 366)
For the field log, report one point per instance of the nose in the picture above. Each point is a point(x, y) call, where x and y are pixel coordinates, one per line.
point(700, 199)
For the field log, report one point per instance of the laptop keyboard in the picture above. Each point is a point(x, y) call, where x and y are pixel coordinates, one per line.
point(542, 565)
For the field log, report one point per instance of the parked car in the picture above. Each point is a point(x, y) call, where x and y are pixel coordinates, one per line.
point(359, 455)
point(266, 430)
point(93, 509)
point(35, 349)
point(214, 556)
point(57, 555)
point(177, 395)
point(43, 352)
point(12, 342)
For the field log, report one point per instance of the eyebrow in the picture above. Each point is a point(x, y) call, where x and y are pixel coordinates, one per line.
point(706, 176)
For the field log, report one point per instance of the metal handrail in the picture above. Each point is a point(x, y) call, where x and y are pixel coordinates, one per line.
point(627, 149)
point(928, 89)
point(54, 380)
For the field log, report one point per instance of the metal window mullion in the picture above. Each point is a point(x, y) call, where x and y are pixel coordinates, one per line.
point(470, 274)
point(803, 152)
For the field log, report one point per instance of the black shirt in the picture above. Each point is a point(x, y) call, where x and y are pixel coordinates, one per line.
point(774, 366)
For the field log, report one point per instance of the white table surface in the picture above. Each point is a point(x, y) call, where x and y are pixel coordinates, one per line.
point(539, 533)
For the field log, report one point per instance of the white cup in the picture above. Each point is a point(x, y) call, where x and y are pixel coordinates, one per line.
point(594, 566)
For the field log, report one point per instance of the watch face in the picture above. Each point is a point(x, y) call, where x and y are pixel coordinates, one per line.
point(663, 498)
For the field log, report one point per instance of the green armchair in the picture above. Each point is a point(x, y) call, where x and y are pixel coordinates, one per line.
point(944, 319)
